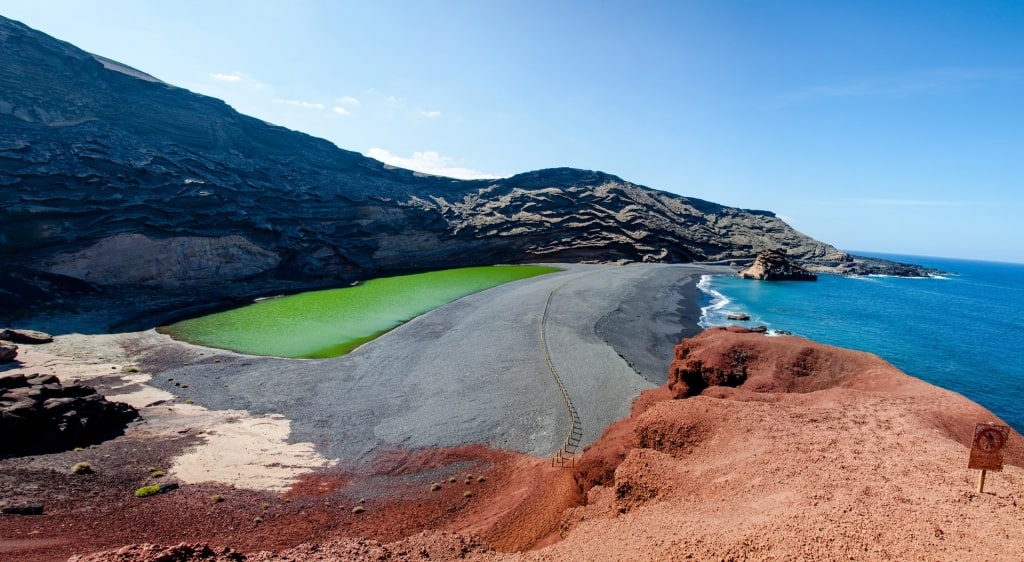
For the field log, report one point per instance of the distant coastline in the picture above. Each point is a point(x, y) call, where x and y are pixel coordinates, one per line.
point(957, 331)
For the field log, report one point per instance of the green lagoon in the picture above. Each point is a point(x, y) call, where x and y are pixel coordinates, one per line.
point(329, 323)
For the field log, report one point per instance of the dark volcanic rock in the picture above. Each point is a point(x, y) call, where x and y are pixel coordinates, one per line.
point(25, 336)
point(112, 181)
point(773, 265)
point(8, 353)
point(23, 509)
point(22, 286)
point(860, 265)
point(38, 413)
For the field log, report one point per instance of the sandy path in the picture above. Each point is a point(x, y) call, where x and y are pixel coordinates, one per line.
point(600, 382)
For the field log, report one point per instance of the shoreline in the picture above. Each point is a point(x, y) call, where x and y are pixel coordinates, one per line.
point(624, 319)
point(480, 352)
point(517, 501)
point(954, 333)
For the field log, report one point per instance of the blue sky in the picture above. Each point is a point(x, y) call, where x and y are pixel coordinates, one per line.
point(876, 126)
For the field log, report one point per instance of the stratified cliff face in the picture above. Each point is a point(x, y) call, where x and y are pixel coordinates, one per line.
point(773, 265)
point(569, 214)
point(91, 150)
point(110, 176)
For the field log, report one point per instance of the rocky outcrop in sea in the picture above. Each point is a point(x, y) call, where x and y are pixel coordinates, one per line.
point(773, 265)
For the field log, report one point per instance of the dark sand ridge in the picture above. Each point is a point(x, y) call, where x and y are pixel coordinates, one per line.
point(469, 372)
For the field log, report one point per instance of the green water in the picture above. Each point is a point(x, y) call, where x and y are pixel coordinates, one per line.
point(330, 323)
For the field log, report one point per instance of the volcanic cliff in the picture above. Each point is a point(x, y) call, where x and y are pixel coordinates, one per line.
point(111, 179)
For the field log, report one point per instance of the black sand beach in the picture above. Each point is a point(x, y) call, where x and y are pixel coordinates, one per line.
point(470, 372)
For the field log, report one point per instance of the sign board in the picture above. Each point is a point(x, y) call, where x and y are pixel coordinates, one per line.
point(988, 446)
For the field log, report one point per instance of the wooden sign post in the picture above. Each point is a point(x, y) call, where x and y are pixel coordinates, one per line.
point(987, 450)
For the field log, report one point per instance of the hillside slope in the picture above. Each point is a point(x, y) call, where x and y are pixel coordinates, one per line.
point(111, 177)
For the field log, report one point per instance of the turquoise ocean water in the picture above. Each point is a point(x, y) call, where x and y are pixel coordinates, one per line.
point(960, 331)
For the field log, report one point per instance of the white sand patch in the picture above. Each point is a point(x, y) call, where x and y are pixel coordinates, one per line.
point(141, 395)
point(59, 359)
point(81, 358)
point(237, 448)
point(247, 451)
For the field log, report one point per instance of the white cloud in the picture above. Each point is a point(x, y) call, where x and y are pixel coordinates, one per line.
point(237, 80)
point(341, 110)
point(910, 202)
point(929, 81)
point(221, 77)
point(430, 114)
point(298, 103)
point(429, 162)
point(347, 100)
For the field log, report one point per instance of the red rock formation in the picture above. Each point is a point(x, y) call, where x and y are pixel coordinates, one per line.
point(741, 358)
point(788, 449)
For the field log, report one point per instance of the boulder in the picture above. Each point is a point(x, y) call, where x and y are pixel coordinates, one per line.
point(11, 381)
point(8, 353)
point(773, 265)
point(741, 316)
point(38, 413)
point(23, 509)
point(25, 336)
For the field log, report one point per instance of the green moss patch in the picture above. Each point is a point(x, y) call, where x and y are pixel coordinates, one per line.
point(146, 491)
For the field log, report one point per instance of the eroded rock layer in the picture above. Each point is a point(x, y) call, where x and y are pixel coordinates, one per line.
point(110, 178)
point(774, 265)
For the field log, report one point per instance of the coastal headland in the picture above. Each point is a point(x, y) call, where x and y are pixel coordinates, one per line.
point(435, 440)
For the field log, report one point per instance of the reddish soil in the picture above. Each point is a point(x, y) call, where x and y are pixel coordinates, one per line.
point(818, 453)
point(513, 502)
point(812, 452)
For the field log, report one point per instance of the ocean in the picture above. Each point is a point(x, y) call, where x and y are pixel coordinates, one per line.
point(960, 331)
